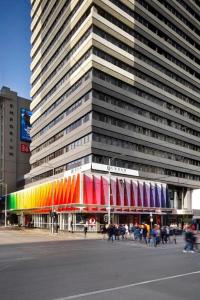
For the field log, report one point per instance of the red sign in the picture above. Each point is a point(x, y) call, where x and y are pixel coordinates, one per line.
point(25, 148)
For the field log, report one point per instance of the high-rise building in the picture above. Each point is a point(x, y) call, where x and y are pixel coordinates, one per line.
point(14, 140)
point(118, 79)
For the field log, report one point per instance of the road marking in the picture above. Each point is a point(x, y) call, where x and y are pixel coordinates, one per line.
point(126, 286)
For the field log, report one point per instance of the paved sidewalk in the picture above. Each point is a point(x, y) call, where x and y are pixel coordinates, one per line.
point(25, 235)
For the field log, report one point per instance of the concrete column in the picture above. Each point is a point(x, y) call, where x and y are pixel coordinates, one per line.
point(187, 201)
point(175, 200)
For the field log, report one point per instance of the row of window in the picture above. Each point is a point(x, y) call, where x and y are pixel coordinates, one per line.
point(144, 168)
point(143, 76)
point(65, 77)
point(66, 40)
point(144, 58)
point(71, 127)
point(147, 42)
point(189, 9)
point(145, 113)
point(123, 85)
point(73, 164)
point(168, 23)
point(62, 63)
point(80, 142)
point(180, 16)
point(44, 23)
point(66, 112)
point(138, 129)
point(100, 138)
point(43, 9)
point(64, 97)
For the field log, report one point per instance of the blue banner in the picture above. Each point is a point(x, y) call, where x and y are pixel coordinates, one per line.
point(25, 125)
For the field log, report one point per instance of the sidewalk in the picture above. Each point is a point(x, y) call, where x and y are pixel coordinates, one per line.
point(25, 235)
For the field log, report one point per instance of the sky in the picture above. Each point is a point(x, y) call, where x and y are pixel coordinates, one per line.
point(15, 46)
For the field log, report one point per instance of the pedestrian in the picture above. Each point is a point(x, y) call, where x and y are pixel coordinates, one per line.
point(104, 231)
point(85, 229)
point(144, 233)
point(126, 231)
point(111, 233)
point(71, 226)
point(189, 241)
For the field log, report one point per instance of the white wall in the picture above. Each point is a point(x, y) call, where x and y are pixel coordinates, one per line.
point(196, 199)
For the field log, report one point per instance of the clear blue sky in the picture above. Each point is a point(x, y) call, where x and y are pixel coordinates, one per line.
point(15, 45)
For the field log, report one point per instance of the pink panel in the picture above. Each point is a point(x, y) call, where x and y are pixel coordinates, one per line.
point(104, 191)
point(134, 193)
point(113, 192)
point(121, 191)
point(88, 189)
point(127, 193)
point(97, 190)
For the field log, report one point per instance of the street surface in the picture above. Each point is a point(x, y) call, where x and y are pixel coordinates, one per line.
point(44, 267)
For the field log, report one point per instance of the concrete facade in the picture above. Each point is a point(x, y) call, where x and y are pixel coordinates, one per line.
point(117, 79)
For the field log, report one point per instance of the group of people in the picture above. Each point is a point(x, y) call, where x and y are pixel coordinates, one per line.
point(140, 232)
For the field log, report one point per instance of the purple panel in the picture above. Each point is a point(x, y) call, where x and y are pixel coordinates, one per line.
point(147, 188)
point(158, 195)
point(140, 194)
point(152, 195)
point(145, 201)
point(163, 196)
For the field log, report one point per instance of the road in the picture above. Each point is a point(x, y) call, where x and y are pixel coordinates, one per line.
point(97, 270)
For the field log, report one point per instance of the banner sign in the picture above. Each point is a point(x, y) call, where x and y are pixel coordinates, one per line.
point(25, 125)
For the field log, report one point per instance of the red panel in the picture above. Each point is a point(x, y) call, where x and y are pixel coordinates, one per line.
point(68, 190)
point(121, 192)
point(76, 198)
point(127, 193)
point(96, 190)
point(104, 191)
point(88, 189)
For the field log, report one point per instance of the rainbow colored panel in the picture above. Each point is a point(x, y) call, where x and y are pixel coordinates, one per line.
point(57, 192)
point(123, 192)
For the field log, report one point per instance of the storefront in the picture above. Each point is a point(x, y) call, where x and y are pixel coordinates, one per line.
point(85, 196)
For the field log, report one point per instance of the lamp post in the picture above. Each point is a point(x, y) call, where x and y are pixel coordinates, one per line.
point(109, 186)
point(52, 200)
point(6, 191)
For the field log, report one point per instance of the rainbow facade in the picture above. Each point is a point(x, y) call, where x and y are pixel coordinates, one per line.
point(90, 191)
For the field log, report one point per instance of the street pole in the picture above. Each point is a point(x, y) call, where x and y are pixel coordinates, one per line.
point(6, 190)
point(5, 210)
point(52, 206)
point(109, 187)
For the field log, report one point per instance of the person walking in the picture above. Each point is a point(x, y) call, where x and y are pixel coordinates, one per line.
point(189, 239)
point(104, 231)
point(85, 229)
